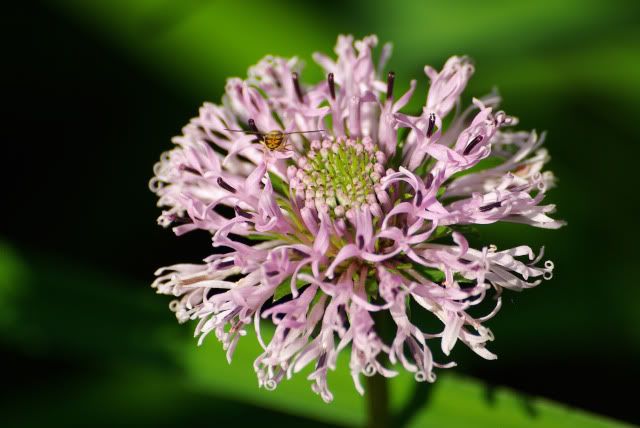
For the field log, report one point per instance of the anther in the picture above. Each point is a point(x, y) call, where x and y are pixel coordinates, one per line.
point(418, 198)
point(391, 77)
point(225, 185)
point(296, 85)
point(190, 169)
point(226, 264)
point(332, 86)
point(242, 213)
point(321, 360)
point(428, 181)
point(490, 206)
point(360, 242)
point(472, 144)
point(431, 125)
point(254, 129)
point(272, 273)
point(252, 125)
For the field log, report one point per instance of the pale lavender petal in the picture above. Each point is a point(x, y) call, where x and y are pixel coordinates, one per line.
point(320, 216)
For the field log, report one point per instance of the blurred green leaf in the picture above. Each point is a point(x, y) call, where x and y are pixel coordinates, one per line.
point(124, 328)
point(202, 42)
point(132, 395)
point(195, 44)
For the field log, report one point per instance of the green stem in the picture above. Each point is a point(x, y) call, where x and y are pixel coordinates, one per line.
point(378, 414)
point(378, 402)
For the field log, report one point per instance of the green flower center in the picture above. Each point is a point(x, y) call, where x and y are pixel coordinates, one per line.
point(338, 176)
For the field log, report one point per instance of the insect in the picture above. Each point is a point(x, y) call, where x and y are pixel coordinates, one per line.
point(273, 140)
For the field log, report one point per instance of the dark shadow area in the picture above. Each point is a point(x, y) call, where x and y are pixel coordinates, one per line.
point(419, 401)
point(526, 401)
point(572, 383)
point(84, 127)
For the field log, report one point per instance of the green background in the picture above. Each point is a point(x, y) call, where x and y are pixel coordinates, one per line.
point(96, 89)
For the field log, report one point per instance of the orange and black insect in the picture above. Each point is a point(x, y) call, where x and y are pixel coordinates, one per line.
point(273, 140)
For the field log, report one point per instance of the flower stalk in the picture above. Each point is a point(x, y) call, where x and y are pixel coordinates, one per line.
point(377, 395)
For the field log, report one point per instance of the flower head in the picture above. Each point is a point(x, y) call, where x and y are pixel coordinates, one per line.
point(334, 226)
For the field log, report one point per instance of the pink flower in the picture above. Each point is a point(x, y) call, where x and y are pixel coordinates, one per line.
point(345, 222)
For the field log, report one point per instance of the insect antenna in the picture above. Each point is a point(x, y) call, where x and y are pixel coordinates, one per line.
point(303, 132)
point(242, 130)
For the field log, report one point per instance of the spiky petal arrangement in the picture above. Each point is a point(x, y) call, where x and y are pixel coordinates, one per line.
point(349, 222)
